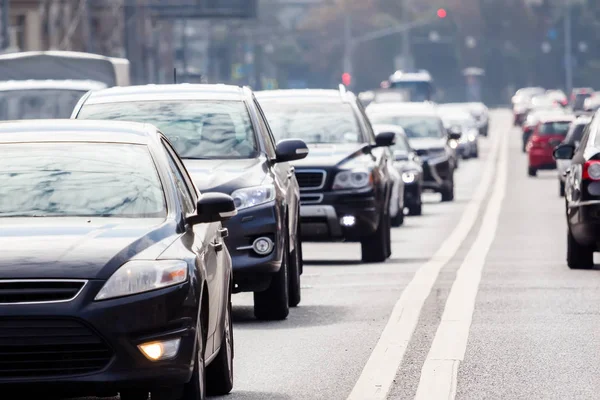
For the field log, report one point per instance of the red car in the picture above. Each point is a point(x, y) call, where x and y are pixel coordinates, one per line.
point(549, 132)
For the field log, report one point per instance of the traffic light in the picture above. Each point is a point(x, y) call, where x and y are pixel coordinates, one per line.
point(346, 79)
point(441, 13)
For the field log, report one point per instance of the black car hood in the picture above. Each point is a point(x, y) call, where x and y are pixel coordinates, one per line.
point(77, 248)
point(330, 155)
point(427, 143)
point(226, 175)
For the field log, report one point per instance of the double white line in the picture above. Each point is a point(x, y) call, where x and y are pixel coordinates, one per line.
point(439, 373)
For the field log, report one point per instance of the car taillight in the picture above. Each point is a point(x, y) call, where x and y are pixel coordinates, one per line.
point(591, 170)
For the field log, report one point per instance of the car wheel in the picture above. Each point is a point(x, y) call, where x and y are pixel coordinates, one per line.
point(524, 147)
point(374, 248)
point(388, 239)
point(415, 209)
point(295, 257)
point(219, 373)
point(578, 256)
point(398, 220)
point(531, 171)
point(195, 389)
point(448, 190)
point(133, 395)
point(476, 152)
point(561, 189)
point(273, 303)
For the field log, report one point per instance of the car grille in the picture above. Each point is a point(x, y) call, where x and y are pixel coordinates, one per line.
point(38, 291)
point(311, 179)
point(49, 347)
point(421, 152)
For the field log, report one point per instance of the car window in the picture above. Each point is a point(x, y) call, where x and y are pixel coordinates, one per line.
point(313, 122)
point(575, 134)
point(554, 128)
point(368, 126)
point(414, 126)
point(79, 179)
point(197, 129)
point(183, 189)
point(38, 103)
point(268, 135)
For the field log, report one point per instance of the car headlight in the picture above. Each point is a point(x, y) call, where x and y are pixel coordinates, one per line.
point(453, 144)
point(141, 276)
point(253, 196)
point(353, 179)
point(409, 177)
point(472, 137)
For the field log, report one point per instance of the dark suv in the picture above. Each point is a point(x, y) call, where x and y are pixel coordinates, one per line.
point(345, 181)
point(226, 144)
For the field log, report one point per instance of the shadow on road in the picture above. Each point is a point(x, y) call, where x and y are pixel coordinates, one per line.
point(332, 263)
point(302, 316)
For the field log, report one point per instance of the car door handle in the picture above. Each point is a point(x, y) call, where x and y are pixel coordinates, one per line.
point(224, 232)
point(218, 246)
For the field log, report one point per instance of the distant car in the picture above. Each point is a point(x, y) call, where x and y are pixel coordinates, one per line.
point(582, 197)
point(558, 96)
point(427, 135)
point(463, 121)
point(578, 97)
point(345, 182)
point(521, 102)
point(533, 119)
point(409, 165)
point(591, 104)
point(226, 143)
point(480, 112)
point(115, 277)
point(549, 132)
point(573, 137)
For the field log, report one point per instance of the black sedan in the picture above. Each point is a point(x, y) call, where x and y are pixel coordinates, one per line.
point(345, 181)
point(113, 273)
point(222, 136)
point(409, 165)
point(582, 197)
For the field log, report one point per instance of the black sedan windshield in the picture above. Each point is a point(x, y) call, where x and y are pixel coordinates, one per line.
point(313, 122)
point(197, 129)
point(414, 126)
point(79, 179)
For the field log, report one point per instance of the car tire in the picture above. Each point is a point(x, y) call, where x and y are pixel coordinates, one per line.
point(524, 149)
point(578, 256)
point(531, 171)
point(375, 248)
point(415, 209)
point(273, 303)
point(476, 152)
point(448, 191)
point(561, 189)
point(219, 373)
point(295, 270)
point(398, 220)
point(389, 238)
point(133, 395)
point(195, 389)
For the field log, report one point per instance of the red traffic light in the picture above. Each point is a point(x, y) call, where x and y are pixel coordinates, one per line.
point(346, 79)
point(441, 13)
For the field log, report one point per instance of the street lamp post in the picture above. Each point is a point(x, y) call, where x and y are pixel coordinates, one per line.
point(568, 50)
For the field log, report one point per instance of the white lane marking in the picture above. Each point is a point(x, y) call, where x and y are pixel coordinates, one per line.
point(439, 374)
point(379, 372)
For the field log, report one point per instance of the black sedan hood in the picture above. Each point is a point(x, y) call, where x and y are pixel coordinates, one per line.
point(330, 155)
point(226, 175)
point(427, 143)
point(77, 248)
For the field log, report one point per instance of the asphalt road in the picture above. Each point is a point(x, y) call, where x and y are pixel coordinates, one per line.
point(475, 303)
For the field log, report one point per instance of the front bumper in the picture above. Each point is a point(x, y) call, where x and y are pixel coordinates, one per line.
point(85, 347)
point(251, 271)
point(323, 222)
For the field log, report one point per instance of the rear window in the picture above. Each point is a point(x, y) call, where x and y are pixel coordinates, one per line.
point(554, 128)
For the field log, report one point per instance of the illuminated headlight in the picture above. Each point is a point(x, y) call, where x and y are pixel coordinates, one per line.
point(594, 171)
point(408, 177)
point(352, 179)
point(453, 144)
point(472, 137)
point(253, 196)
point(143, 276)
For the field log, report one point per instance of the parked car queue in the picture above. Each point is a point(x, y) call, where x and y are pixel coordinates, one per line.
point(129, 227)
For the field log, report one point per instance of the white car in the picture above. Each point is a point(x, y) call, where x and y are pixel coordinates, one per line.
point(573, 137)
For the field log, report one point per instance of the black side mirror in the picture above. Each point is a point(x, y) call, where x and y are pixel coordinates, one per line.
point(291, 150)
point(454, 133)
point(213, 207)
point(385, 139)
point(564, 152)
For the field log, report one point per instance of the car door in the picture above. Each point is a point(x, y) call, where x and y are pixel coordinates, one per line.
point(573, 181)
point(206, 241)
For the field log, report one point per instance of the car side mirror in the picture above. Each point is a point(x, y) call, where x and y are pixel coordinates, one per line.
point(564, 152)
point(385, 139)
point(454, 133)
point(213, 207)
point(291, 150)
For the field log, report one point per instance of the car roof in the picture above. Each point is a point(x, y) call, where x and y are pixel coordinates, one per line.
point(389, 128)
point(166, 92)
point(59, 84)
point(422, 109)
point(305, 95)
point(583, 120)
point(411, 76)
point(556, 118)
point(71, 130)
